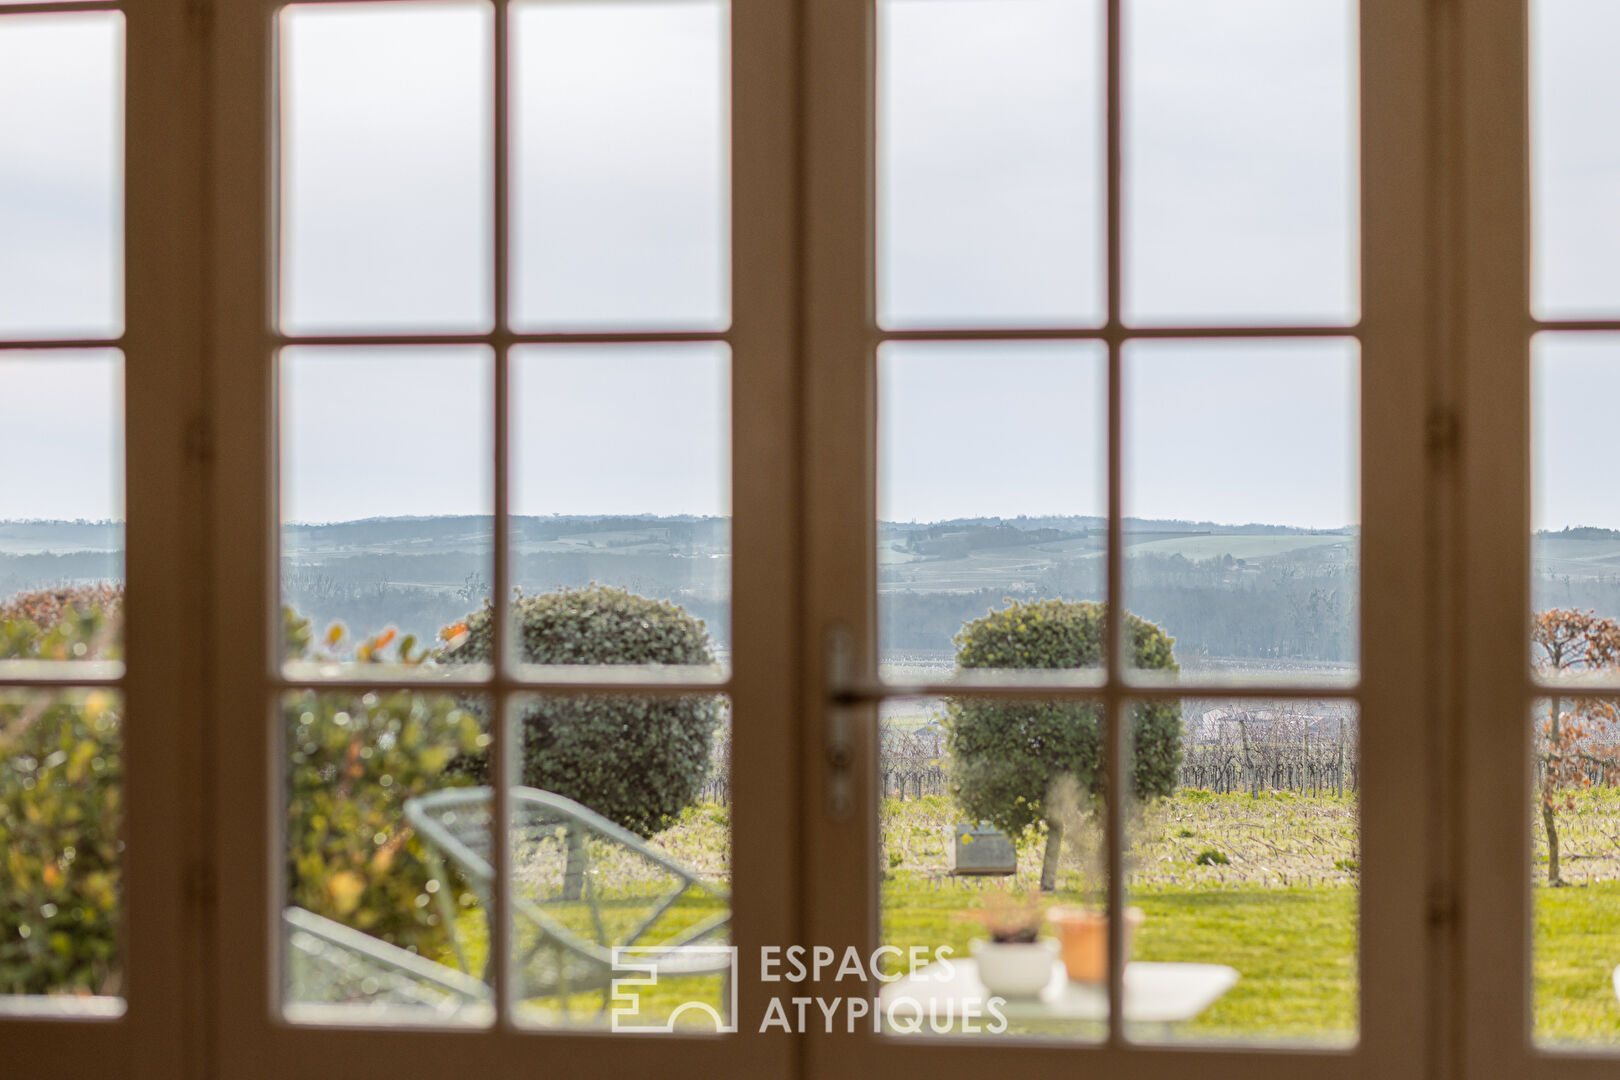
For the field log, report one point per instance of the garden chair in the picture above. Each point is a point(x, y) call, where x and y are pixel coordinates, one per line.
point(329, 964)
point(581, 885)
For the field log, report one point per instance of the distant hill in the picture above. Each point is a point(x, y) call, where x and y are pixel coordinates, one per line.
point(1252, 593)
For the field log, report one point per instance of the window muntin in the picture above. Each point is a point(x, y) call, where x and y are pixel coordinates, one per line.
point(568, 493)
point(1573, 734)
point(1247, 345)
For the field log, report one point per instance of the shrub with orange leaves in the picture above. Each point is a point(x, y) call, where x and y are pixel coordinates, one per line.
point(60, 800)
point(353, 759)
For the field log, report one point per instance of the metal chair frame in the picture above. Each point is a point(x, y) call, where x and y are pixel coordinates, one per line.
point(582, 963)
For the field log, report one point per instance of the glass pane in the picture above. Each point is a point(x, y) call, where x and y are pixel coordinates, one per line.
point(62, 175)
point(621, 499)
point(1575, 811)
point(620, 165)
point(1575, 159)
point(990, 188)
point(386, 154)
point(373, 930)
point(621, 860)
point(1242, 503)
point(1243, 845)
point(992, 491)
point(1575, 867)
point(1240, 162)
point(61, 815)
point(62, 527)
point(994, 868)
point(387, 497)
point(1575, 512)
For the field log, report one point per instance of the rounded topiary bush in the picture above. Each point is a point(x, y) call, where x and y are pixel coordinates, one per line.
point(1008, 757)
point(637, 760)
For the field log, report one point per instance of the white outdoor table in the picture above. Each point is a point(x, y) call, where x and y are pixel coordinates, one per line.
point(1154, 993)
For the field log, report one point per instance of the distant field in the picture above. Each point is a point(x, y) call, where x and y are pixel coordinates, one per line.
point(1237, 545)
point(1019, 567)
point(1581, 558)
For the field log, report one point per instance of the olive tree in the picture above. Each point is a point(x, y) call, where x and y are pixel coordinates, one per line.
point(1008, 758)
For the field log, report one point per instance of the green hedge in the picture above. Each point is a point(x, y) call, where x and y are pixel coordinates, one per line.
point(637, 760)
point(352, 759)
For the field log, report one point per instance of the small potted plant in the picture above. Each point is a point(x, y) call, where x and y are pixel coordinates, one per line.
point(1016, 961)
point(1082, 927)
point(1083, 935)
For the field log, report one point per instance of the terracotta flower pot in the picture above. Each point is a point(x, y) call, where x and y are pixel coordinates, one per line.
point(1083, 936)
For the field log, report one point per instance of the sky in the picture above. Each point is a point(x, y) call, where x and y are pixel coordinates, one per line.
point(1239, 204)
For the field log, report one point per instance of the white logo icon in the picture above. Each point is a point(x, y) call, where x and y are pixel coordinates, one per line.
point(644, 963)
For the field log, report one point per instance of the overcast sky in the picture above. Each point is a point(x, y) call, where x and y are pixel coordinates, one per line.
point(1239, 206)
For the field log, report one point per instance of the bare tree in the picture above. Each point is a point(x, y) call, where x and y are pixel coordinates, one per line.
point(1576, 737)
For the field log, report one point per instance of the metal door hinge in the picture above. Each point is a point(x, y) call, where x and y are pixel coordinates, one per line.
point(1440, 907)
point(1441, 432)
point(199, 441)
point(200, 17)
point(201, 887)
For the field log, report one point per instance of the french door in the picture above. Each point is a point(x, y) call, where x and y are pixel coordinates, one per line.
point(661, 412)
point(1078, 373)
point(864, 331)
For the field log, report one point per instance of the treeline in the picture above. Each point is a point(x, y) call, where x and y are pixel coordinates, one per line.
point(21, 573)
point(1596, 594)
point(369, 606)
point(1297, 607)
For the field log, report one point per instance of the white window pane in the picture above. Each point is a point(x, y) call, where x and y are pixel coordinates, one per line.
point(1240, 162)
point(387, 489)
point(61, 175)
point(992, 486)
point(386, 166)
point(1242, 503)
point(990, 163)
point(621, 474)
point(620, 193)
point(1575, 159)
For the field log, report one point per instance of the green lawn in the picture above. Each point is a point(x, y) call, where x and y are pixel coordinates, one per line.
point(1281, 909)
point(1577, 946)
point(1294, 947)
